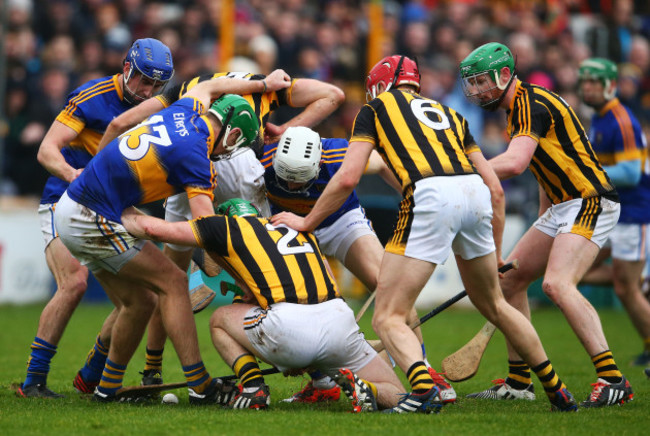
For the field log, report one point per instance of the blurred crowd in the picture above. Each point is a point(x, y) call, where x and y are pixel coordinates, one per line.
point(53, 46)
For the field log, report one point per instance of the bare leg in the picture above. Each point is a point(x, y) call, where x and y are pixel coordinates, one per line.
point(384, 378)
point(570, 258)
point(72, 280)
point(481, 282)
point(627, 286)
point(396, 295)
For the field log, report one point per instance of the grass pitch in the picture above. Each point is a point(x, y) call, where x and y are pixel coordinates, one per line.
point(77, 415)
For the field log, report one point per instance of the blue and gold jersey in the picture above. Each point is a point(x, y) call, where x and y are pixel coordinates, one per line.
point(166, 154)
point(564, 163)
point(417, 137)
point(616, 136)
point(88, 111)
point(278, 264)
point(301, 203)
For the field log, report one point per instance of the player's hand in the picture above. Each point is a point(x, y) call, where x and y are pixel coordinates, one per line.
point(500, 263)
point(75, 173)
point(290, 220)
point(272, 133)
point(277, 80)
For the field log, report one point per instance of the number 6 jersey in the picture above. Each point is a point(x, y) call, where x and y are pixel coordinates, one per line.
point(417, 137)
point(164, 155)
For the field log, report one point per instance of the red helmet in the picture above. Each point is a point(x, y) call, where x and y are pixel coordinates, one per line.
point(392, 71)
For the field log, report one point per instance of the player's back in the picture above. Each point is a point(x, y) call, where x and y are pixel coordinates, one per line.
point(302, 201)
point(278, 264)
point(155, 159)
point(88, 111)
point(418, 137)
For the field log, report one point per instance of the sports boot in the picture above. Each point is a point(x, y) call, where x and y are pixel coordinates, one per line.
point(357, 390)
point(428, 402)
point(258, 399)
point(503, 391)
point(609, 394)
point(219, 392)
point(447, 393)
point(311, 394)
point(38, 390)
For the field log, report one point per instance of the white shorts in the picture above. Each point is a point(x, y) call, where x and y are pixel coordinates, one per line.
point(628, 242)
point(337, 238)
point(443, 214)
point(322, 336)
point(46, 216)
point(594, 218)
point(92, 239)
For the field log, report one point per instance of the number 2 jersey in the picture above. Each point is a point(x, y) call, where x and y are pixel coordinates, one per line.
point(616, 136)
point(164, 155)
point(278, 264)
point(89, 110)
point(302, 202)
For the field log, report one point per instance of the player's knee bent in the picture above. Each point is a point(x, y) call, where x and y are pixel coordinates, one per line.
point(555, 289)
point(74, 287)
point(175, 281)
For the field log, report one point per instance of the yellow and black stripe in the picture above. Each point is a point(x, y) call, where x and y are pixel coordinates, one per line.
point(417, 137)
point(397, 243)
point(587, 217)
point(277, 264)
point(262, 104)
point(564, 162)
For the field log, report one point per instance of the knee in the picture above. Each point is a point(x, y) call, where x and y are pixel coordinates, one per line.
point(75, 285)
point(552, 288)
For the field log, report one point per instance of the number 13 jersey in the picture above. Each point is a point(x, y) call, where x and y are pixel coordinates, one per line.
point(164, 155)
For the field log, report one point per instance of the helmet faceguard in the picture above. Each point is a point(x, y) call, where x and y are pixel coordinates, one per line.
point(234, 112)
point(238, 207)
point(152, 60)
point(390, 72)
point(297, 158)
point(602, 70)
point(480, 72)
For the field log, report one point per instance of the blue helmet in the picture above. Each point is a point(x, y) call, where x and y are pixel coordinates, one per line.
point(153, 60)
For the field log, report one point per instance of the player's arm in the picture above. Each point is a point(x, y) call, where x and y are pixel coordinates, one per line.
point(129, 119)
point(148, 227)
point(201, 205)
point(209, 90)
point(318, 98)
point(497, 197)
point(515, 159)
point(337, 191)
point(376, 165)
point(49, 153)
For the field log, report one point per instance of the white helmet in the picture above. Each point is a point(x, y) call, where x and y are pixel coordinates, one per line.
point(297, 158)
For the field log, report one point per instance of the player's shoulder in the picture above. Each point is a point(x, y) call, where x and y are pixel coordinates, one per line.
point(95, 87)
point(334, 144)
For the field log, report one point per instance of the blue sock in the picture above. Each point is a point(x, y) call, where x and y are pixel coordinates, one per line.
point(112, 377)
point(95, 362)
point(197, 377)
point(38, 365)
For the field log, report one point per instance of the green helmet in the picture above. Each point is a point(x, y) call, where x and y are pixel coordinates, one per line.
point(237, 207)
point(600, 69)
point(234, 112)
point(486, 61)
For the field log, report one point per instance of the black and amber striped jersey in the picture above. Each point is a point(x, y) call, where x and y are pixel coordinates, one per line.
point(564, 162)
point(416, 136)
point(263, 104)
point(276, 263)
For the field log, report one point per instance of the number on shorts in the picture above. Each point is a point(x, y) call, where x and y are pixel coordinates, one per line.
point(420, 107)
point(285, 240)
point(135, 143)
